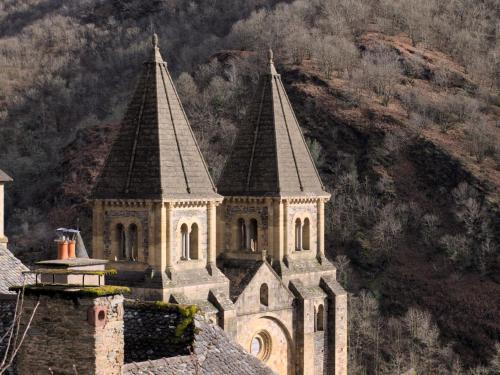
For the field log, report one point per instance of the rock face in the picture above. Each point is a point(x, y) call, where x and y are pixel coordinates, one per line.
point(68, 336)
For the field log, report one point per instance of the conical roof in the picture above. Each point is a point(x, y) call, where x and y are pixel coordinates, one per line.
point(155, 155)
point(270, 156)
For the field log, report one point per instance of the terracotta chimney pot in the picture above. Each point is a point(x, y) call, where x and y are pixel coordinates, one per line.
point(62, 249)
point(72, 249)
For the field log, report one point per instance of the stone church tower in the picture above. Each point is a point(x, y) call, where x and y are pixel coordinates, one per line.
point(251, 258)
point(273, 213)
point(154, 210)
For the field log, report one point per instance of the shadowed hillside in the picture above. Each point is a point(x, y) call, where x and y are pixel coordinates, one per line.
point(399, 104)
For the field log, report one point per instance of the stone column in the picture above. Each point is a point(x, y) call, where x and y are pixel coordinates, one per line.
point(279, 246)
point(336, 325)
point(170, 237)
point(212, 234)
point(97, 230)
point(285, 229)
point(3, 239)
point(188, 245)
point(321, 227)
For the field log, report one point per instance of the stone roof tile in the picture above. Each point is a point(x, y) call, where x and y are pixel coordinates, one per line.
point(270, 156)
point(12, 271)
point(155, 154)
point(214, 353)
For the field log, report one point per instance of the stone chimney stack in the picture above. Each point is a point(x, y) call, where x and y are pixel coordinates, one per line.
point(4, 177)
point(77, 321)
point(72, 335)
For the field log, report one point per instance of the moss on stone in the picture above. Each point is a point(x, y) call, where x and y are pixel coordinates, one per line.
point(71, 291)
point(55, 271)
point(187, 313)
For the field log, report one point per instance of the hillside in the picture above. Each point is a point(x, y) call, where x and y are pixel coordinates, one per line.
point(411, 171)
point(398, 101)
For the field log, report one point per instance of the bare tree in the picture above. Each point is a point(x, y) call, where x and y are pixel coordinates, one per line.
point(15, 335)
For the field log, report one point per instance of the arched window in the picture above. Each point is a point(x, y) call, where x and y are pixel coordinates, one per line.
point(121, 242)
point(193, 242)
point(264, 295)
point(133, 245)
point(253, 235)
point(320, 318)
point(184, 242)
point(305, 234)
point(242, 234)
point(298, 235)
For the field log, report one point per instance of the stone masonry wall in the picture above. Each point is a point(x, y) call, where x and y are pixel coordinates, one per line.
point(83, 334)
point(157, 330)
point(320, 359)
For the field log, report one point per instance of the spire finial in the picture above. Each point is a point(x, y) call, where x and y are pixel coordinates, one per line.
point(155, 53)
point(272, 69)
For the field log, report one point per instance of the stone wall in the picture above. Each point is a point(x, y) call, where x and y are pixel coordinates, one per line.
point(69, 335)
point(320, 354)
point(156, 330)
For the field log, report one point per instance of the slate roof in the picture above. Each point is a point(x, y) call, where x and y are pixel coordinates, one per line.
point(270, 156)
point(4, 177)
point(155, 154)
point(11, 271)
point(214, 353)
point(240, 273)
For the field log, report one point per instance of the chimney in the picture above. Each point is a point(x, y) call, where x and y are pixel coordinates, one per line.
point(77, 321)
point(72, 332)
point(4, 177)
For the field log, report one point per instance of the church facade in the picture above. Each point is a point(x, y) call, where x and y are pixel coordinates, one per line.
point(249, 252)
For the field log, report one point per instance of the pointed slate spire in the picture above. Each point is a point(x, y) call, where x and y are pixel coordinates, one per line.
point(155, 154)
point(270, 156)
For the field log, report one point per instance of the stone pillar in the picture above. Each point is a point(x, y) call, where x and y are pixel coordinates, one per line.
point(278, 230)
point(212, 234)
point(3, 239)
point(227, 311)
point(336, 326)
point(170, 238)
point(321, 228)
point(97, 230)
point(286, 245)
point(304, 333)
point(84, 337)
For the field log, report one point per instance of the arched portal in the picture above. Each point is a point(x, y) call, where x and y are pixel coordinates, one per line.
point(268, 339)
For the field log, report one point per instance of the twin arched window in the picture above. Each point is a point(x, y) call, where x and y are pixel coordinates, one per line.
point(189, 242)
point(127, 242)
point(247, 237)
point(302, 234)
